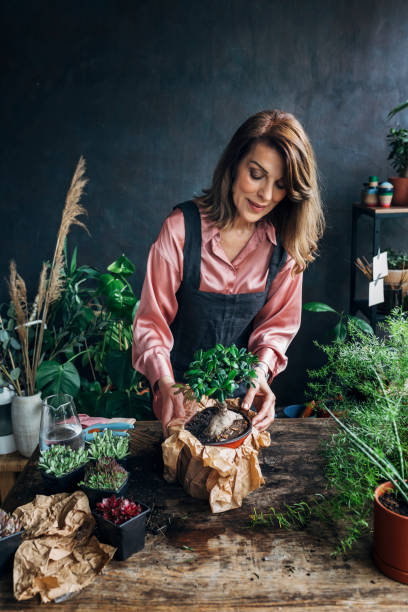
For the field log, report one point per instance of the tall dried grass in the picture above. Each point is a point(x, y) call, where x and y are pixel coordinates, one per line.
point(51, 283)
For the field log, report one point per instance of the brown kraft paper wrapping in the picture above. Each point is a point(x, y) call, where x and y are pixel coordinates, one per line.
point(224, 476)
point(59, 555)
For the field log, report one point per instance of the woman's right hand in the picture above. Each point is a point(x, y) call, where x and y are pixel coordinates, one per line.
point(172, 403)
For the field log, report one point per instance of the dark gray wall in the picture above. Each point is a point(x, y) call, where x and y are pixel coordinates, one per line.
point(150, 92)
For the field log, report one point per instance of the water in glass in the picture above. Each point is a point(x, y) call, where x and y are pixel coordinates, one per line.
point(60, 423)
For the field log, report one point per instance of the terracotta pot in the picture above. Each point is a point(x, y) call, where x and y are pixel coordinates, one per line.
point(239, 440)
point(26, 418)
point(400, 197)
point(390, 550)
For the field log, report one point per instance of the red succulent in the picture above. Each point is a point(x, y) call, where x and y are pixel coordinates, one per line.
point(118, 510)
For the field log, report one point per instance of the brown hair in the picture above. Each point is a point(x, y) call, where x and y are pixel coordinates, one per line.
point(298, 218)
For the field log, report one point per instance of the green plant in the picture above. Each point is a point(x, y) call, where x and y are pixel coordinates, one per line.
point(219, 371)
point(340, 329)
point(11, 363)
point(31, 319)
point(117, 388)
point(398, 142)
point(397, 260)
point(105, 474)
point(371, 445)
point(59, 459)
point(108, 445)
point(8, 524)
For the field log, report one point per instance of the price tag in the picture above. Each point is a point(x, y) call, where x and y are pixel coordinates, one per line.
point(380, 265)
point(376, 292)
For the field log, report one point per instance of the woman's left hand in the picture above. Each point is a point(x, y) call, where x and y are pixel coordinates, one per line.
point(263, 399)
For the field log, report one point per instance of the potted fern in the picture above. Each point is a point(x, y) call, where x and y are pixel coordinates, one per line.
point(398, 143)
point(218, 373)
point(367, 458)
point(62, 467)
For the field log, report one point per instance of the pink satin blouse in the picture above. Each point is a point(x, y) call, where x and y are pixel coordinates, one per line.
point(274, 326)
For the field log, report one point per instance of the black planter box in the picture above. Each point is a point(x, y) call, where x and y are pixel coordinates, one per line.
point(128, 538)
point(66, 483)
point(97, 495)
point(8, 546)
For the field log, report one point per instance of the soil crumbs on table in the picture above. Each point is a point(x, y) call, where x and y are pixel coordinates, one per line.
point(201, 420)
point(396, 504)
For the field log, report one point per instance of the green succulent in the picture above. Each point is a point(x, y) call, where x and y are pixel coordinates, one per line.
point(108, 445)
point(105, 474)
point(59, 460)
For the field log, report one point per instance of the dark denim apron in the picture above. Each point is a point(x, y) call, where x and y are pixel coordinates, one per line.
point(203, 318)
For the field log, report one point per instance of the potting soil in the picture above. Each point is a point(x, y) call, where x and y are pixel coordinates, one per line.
point(396, 504)
point(200, 421)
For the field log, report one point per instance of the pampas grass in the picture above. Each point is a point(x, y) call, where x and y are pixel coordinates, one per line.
point(50, 286)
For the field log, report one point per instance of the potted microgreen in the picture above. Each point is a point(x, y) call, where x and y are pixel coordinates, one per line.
point(62, 467)
point(106, 444)
point(121, 523)
point(398, 143)
point(105, 477)
point(10, 538)
point(218, 373)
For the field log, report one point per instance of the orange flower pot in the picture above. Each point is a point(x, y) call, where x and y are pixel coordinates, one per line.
point(235, 442)
point(390, 550)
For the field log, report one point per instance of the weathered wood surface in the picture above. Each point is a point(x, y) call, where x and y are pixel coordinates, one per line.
point(10, 465)
point(208, 562)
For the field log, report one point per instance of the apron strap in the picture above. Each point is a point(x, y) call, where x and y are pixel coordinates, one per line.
point(192, 243)
point(192, 248)
point(278, 260)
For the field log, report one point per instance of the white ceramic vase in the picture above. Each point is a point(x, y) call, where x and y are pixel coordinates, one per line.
point(26, 418)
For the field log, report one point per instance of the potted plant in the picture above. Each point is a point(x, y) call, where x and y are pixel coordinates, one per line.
point(106, 444)
point(117, 389)
point(62, 467)
point(397, 277)
point(121, 523)
point(367, 458)
point(217, 373)
point(398, 143)
point(10, 538)
point(105, 477)
point(30, 324)
point(340, 329)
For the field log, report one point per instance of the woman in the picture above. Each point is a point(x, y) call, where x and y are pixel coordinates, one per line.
point(227, 266)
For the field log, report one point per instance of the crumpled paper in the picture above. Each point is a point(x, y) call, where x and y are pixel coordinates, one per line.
point(59, 555)
point(224, 476)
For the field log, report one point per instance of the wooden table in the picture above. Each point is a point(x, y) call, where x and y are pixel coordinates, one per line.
point(204, 562)
point(10, 466)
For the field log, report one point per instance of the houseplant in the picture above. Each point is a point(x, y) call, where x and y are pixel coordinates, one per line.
point(370, 447)
point(31, 322)
point(106, 444)
point(62, 467)
point(121, 523)
point(217, 373)
point(105, 477)
point(398, 143)
point(340, 329)
point(117, 389)
point(10, 538)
